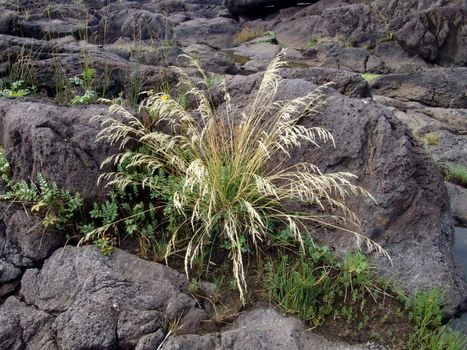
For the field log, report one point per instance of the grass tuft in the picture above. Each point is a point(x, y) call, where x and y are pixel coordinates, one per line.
point(457, 173)
point(226, 196)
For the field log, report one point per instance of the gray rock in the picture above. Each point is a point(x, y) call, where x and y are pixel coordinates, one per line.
point(55, 141)
point(134, 23)
point(25, 327)
point(8, 21)
point(33, 243)
point(347, 83)
point(42, 28)
point(113, 72)
point(437, 87)
point(150, 341)
point(211, 60)
point(217, 32)
point(104, 302)
point(436, 34)
point(458, 197)
point(8, 271)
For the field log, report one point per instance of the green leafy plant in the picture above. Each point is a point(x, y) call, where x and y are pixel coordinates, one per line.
point(226, 191)
point(17, 89)
point(58, 207)
point(315, 40)
point(89, 96)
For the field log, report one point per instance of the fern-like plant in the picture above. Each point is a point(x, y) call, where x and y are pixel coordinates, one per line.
point(228, 194)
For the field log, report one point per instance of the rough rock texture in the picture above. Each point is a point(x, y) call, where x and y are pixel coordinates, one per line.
point(81, 300)
point(347, 83)
point(438, 87)
point(458, 196)
point(57, 141)
point(411, 219)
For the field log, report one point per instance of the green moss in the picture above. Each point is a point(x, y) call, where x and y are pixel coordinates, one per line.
point(370, 76)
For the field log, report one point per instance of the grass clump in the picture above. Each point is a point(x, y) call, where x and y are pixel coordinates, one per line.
point(347, 297)
point(314, 286)
point(226, 196)
point(426, 315)
point(456, 173)
point(430, 139)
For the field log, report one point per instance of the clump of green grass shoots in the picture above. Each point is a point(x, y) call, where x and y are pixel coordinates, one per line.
point(457, 173)
point(228, 196)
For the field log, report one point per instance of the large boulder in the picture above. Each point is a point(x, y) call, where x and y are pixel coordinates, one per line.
point(81, 300)
point(411, 217)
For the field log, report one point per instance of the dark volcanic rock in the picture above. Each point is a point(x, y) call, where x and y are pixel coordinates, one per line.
point(437, 87)
point(434, 30)
point(347, 83)
point(8, 20)
point(23, 326)
point(92, 301)
point(217, 32)
point(49, 64)
point(137, 24)
point(458, 196)
point(57, 141)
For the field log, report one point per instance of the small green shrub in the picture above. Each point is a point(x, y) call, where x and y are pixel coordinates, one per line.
point(89, 75)
point(314, 41)
point(90, 96)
